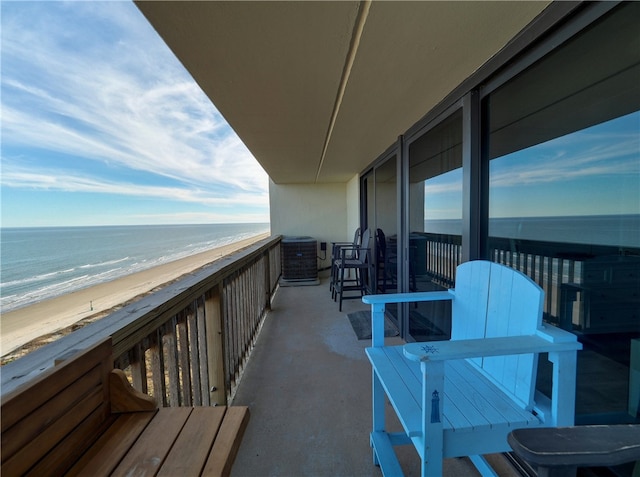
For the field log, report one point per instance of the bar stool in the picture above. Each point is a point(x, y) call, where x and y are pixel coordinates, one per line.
point(335, 255)
point(357, 259)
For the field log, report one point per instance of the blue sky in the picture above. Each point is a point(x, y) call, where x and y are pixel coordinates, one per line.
point(101, 125)
point(595, 171)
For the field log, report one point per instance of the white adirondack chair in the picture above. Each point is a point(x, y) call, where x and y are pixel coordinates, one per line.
point(462, 397)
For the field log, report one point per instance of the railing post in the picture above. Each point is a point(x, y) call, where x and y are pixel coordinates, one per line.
point(157, 368)
point(215, 345)
point(267, 280)
point(201, 319)
point(192, 325)
point(184, 358)
point(170, 345)
point(139, 367)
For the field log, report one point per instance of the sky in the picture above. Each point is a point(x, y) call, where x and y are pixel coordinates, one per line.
point(595, 171)
point(102, 125)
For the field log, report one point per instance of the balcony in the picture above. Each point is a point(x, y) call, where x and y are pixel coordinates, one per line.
point(304, 373)
point(227, 333)
point(308, 386)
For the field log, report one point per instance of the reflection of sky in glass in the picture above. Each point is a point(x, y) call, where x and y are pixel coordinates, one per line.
point(443, 196)
point(595, 171)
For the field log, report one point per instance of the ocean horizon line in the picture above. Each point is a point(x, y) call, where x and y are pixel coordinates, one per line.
point(2, 227)
point(620, 230)
point(43, 263)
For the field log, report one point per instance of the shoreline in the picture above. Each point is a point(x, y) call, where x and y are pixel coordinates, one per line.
point(62, 314)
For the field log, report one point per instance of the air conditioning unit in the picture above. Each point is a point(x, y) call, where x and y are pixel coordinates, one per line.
point(299, 261)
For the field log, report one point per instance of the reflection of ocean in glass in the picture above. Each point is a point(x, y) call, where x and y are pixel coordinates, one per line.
point(548, 264)
point(614, 230)
point(41, 263)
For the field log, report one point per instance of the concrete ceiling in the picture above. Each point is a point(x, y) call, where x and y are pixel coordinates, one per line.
point(317, 90)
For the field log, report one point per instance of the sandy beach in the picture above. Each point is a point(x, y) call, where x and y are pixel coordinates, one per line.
point(23, 325)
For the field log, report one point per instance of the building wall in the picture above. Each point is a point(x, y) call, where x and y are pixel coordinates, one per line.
point(556, 133)
point(353, 209)
point(321, 211)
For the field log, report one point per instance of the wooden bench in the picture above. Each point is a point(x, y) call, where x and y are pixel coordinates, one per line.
point(462, 397)
point(558, 452)
point(81, 417)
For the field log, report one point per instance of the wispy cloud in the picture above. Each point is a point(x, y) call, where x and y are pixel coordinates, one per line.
point(88, 87)
point(51, 181)
point(452, 185)
point(577, 156)
point(194, 218)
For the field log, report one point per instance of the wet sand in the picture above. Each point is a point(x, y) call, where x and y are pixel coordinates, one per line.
point(23, 325)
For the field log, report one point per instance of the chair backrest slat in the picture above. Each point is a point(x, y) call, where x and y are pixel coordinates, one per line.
point(357, 236)
point(364, 245)
point(493, 300)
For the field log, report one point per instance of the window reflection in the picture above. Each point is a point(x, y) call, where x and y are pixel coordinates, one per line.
point(580, 188)
point(435, 212)
point(564, 202)
point(385, 229)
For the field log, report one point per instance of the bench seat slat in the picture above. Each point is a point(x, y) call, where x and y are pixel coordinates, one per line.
point(150, 450)
point(227, 443)
point(402, 397)
point(487, 401)
point(461, 407)
point(111, 447)
point(190, 451)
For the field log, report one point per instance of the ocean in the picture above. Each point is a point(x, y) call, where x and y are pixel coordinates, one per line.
point(42, 263)
point(611, 230)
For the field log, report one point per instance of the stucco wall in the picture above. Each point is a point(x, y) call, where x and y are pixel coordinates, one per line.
point(320, 211)
point(353, 206)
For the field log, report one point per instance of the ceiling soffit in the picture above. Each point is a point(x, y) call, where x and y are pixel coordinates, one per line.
point(272, 69)
point(411, 56)
point(275, 70)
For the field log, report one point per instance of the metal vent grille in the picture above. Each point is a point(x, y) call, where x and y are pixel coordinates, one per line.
point(299, 258)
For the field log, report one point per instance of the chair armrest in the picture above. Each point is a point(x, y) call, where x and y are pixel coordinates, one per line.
point(557, 335)
point(407, 297)
point(504, 346)
point(335, 245)
point(343, 249)
point(353, 250)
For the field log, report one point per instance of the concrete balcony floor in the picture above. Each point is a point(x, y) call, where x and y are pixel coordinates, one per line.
point(308, 386)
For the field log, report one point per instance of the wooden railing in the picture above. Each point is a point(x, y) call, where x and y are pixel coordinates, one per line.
point(550, 264)
point(443, 255)
point(554, 266)
point(187, 343)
